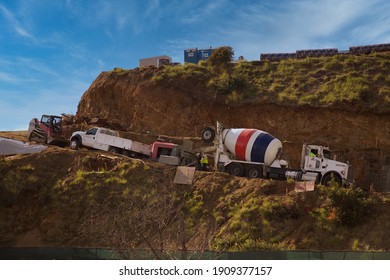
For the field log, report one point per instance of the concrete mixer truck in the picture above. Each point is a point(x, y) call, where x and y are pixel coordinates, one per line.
point(254, 153)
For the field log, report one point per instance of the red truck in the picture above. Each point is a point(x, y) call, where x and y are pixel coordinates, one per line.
point(48, 130)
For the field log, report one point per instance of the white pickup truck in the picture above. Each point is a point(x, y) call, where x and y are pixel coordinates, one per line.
point(105, 139)
point(108, 140)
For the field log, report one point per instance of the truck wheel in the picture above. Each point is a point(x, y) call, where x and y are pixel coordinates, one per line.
point(253, 172)
point(114, 150)
point(75, 144)
point(236, 169)
point(330, 178)
point(208, 134)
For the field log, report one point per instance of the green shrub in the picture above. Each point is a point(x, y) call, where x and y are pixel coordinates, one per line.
point(14, 181)
point(385, 94)
point(256, 223)
point(119, 70)
point(193, 205)
point(221, 83)
point(352, 205)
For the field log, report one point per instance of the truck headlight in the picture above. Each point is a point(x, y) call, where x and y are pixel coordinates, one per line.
point(343, 172)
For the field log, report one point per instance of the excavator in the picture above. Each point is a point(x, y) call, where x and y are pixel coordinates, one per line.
point(48, 130)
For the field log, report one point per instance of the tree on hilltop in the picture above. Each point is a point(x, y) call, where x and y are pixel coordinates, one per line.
point(220, 60)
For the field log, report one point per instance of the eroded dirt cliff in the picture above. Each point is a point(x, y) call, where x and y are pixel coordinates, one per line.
point(134, 101)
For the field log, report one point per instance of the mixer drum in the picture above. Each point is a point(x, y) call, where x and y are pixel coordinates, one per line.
point(251, 145)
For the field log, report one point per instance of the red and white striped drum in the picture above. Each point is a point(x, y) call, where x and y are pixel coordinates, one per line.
point(251, 145)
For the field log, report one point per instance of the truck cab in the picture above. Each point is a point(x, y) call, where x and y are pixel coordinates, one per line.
point(319, 159)
point(95, 137)
point(91, 138)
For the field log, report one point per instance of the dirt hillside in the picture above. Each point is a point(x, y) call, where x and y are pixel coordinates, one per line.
point(65, 198)
point(137, 101)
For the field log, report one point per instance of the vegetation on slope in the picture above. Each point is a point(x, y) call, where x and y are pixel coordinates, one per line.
point(320, 220)
point(342, 81)
point(91, 200)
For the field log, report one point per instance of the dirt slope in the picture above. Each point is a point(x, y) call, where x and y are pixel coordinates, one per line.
point(133, 100)
point(91, 199)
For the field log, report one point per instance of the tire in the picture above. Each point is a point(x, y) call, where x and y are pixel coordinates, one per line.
point(114, 150)
point(208, 134)
point(253, 172)
point(75, 144)
point(328, 179)
point(236, 169)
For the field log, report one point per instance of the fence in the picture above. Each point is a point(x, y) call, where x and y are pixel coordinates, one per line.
point(13, 253)
point(325, 52)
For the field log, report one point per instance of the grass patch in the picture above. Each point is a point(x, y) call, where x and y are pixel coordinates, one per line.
point(187, 71)
point(318, 81)
point(259, 222)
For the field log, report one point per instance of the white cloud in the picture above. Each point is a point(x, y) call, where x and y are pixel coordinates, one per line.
point(286, 26)
point(152, 9)
point(15, 24)
point(37, 66)
point(375, 25)
point(18, 107)
point(14, 79)
point(8, 78)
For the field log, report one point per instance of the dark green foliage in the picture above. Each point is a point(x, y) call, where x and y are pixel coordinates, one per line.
point(220, 60)
point(14, 181)
point(258, 223)
point(352, 205)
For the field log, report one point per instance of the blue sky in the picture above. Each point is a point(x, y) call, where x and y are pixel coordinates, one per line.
point(52, 50)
